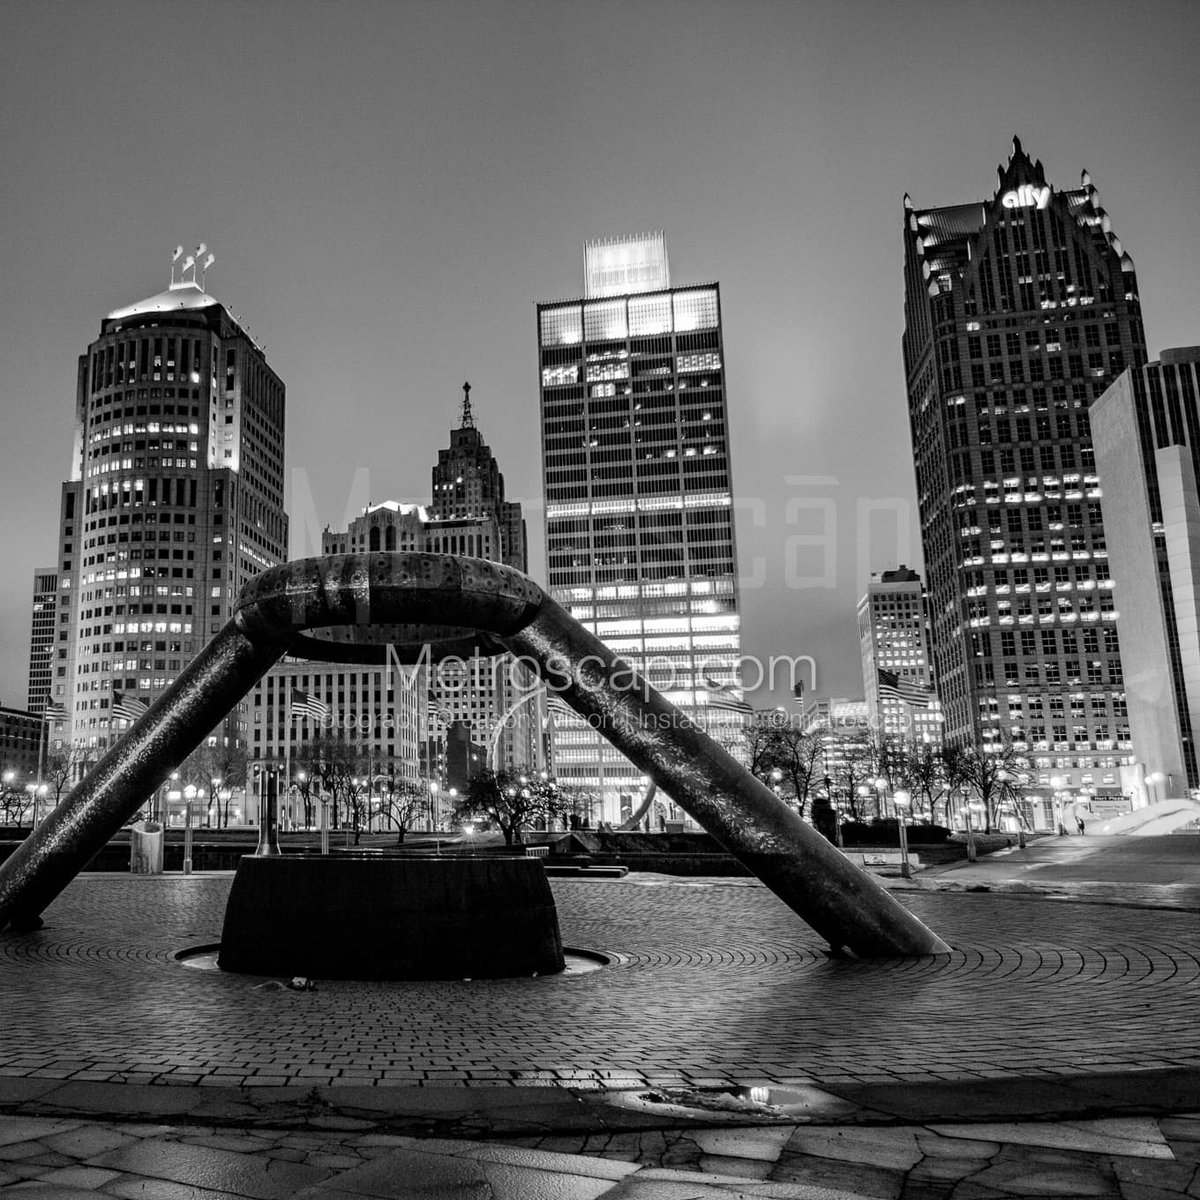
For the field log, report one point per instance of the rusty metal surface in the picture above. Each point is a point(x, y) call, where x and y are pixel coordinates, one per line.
point(367, 598)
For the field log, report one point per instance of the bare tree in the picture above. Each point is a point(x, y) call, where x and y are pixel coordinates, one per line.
point(786, 759)
point(512, 802)
point(403, 802)
point(217, 768)
point(990, 772)
point(15, 802)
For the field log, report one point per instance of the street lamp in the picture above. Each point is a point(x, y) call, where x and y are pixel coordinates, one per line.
point(189, 794)
point(1059, 784)
point(902, 799)
point(1007, 779)
point(881, 786)
point(1156, 778)
point(972, 853)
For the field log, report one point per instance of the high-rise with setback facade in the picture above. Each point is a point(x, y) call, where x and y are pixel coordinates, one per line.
point(639, 503)
point(1020, 310)
point(175, 500)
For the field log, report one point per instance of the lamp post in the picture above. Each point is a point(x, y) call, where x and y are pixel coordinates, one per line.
point(189, 794)
point(435, 810)
point(1059, 784)
point(972, 853)
point(902, 799)
point(1157, 778)
point(881, 787)
point(1007, 779)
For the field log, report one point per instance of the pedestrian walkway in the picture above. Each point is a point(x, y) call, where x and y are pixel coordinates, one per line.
point(1055, 1052)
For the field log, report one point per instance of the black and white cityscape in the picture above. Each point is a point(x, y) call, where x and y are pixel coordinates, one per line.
point(621, 582)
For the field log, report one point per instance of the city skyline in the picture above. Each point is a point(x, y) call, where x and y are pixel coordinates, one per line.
point(376, 300)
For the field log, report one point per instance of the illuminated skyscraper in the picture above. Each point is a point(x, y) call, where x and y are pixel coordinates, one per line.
point(1020, 310)
point(639, 505)
point(175, 501)
point(897, 677)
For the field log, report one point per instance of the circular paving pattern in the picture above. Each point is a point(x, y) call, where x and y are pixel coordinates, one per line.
point(707, 984)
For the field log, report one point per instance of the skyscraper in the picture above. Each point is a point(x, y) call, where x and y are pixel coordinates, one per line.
point(175, 500)
point(897, 675)
point(1020, 309)
point(43, 634)
point(1147, 442)
point(639, 504)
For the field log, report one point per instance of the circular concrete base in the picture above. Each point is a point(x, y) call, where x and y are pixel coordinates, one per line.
point(391, 918)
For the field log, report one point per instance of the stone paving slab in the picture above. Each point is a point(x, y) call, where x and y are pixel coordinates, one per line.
point(1128, 1159)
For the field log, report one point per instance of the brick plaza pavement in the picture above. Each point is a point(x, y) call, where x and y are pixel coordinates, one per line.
point(711, 982)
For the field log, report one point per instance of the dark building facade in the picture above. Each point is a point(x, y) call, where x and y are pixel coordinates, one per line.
point(175, 501)
point(43, 634)
point(1020, 310)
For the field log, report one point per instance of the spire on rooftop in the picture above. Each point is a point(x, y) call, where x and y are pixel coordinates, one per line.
point(467, 420)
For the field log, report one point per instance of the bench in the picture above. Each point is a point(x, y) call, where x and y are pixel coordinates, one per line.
point(884, 858)
point(537, 851)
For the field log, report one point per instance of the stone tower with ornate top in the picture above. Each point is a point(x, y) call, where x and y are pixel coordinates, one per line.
point(1020, 309)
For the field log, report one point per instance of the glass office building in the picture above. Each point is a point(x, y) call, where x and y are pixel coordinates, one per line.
point(639, 503)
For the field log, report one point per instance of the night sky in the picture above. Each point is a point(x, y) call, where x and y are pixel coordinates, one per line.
point(390, 187)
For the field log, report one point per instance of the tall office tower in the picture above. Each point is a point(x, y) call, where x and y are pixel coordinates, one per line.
point(639, 508)
point(897, 674)
point(175, 500)
point(1019, 311)
point(1147, 431)
point(42, 635)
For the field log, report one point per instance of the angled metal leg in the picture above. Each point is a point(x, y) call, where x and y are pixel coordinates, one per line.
point(175, 724)
point(848, 907)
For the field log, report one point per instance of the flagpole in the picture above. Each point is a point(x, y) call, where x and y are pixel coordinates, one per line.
point(287, 753)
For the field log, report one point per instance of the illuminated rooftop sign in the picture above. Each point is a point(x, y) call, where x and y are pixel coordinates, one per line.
point(1026, 196)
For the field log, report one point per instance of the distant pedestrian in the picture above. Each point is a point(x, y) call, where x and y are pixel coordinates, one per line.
point(1079, 822)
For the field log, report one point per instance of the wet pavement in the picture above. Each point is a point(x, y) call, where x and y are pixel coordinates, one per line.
point(1055, 1052)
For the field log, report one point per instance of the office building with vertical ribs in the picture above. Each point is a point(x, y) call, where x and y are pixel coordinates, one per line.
point(175, 500)
point(639, 502)
point(1020, 309)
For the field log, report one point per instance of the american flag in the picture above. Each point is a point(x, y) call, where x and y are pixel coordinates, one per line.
point(893, 687)
point(304, 705)
point(54, 711)
point(126, 706)
point(722, 696)
point(437, 712)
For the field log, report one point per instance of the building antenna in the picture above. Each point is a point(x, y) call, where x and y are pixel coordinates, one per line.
point(468, 419)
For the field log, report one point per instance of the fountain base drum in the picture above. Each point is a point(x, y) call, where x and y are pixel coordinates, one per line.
point(348, 917)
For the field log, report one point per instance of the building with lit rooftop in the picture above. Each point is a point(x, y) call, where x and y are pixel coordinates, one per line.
point(639, 504)
point(174, 502)
point(1020, 310)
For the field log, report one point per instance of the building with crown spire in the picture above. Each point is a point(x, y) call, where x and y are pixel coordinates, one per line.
point(468, 515)
point(174, 502)
point(1020, 309)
